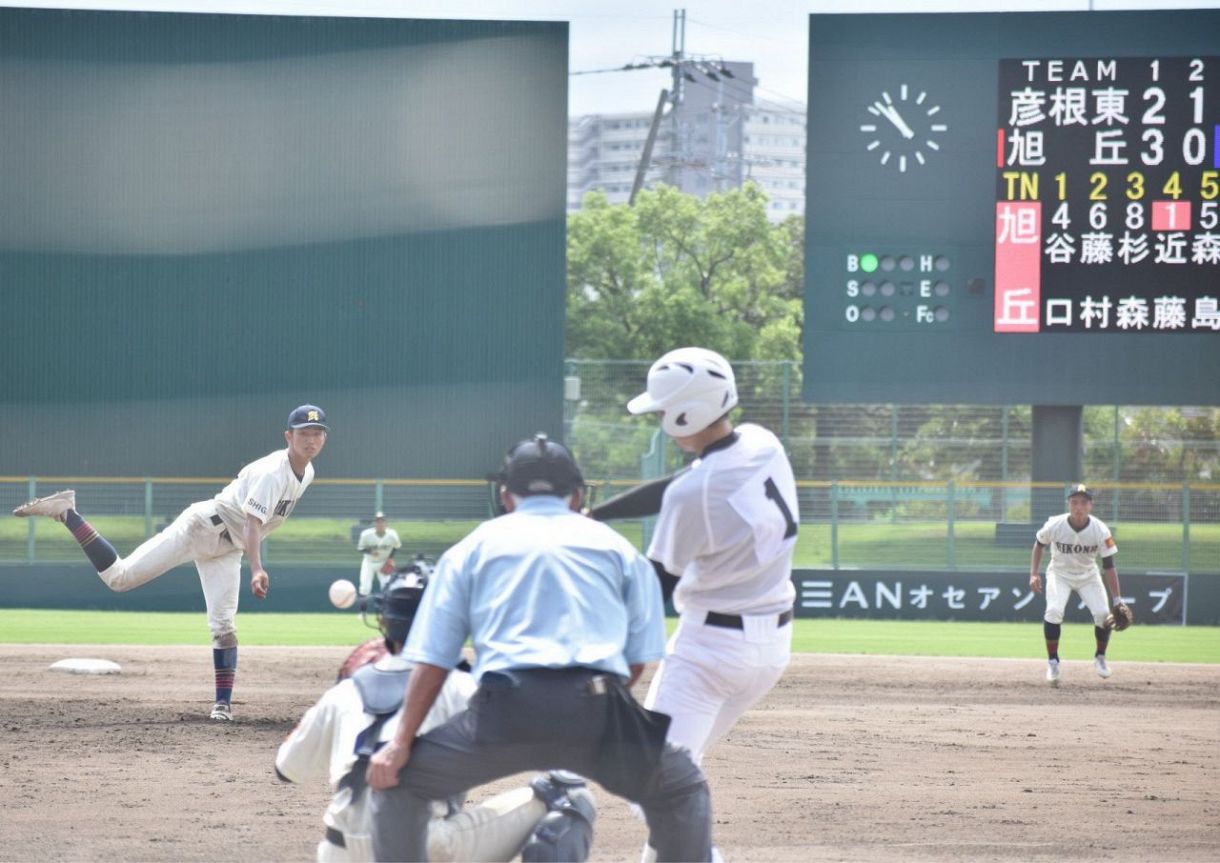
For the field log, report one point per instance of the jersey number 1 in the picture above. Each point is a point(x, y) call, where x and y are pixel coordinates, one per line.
point(774, 495)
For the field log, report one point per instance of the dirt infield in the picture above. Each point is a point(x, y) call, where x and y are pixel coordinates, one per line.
point(851, 758)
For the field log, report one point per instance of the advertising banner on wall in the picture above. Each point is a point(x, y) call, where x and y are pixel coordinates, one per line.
point(1155, 597)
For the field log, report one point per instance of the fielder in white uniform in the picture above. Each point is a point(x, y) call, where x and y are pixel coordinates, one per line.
point(724, 541)
point(213, 534)
point(1076, 539)
point(325, 744)
point(377, 544)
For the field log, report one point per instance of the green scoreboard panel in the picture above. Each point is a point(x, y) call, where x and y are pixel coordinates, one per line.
point(1014, 208)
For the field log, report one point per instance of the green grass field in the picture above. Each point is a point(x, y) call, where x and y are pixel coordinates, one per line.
point(908, 638)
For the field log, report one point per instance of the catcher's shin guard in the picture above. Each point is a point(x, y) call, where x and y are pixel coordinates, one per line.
point(566, 832)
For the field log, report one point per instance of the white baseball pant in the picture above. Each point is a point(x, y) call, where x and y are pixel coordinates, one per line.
point(1059, 590)
point(191, 537)
point(491, 831)
point(370, 570)
point(712, 675)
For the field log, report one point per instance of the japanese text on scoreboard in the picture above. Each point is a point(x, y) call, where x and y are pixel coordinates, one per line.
point(1108, 195)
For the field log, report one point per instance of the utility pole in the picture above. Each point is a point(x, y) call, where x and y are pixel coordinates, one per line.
point(678, 57)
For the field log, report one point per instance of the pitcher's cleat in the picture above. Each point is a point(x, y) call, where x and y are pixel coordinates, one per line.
point(1099, 663)
point(53, 506)
point(222, 711)
point(1052, 672)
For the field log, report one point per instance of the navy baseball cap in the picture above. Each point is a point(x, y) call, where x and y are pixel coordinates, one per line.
point(540, 466)
point(1081, 488)
point(308, 416)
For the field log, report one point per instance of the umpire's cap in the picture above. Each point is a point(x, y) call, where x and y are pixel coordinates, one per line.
point(398, 604)
point(1080, 488)
point(540, 466)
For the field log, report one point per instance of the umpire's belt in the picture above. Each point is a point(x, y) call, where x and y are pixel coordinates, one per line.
point(335, 837)
point(733, 621)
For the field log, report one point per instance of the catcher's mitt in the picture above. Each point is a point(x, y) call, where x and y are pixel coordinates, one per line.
point(1120, 617)
point(369, 652)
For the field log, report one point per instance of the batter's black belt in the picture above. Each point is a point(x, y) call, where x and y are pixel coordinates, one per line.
point(335, 837)
point(734, 621)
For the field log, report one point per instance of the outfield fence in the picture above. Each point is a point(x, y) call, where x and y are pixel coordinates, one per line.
point(848, 524)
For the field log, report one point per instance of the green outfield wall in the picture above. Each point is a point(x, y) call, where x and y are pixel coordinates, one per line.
point(206, 220)
point(1156, 598)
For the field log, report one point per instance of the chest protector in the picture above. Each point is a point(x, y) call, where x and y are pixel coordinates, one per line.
point(381, 692)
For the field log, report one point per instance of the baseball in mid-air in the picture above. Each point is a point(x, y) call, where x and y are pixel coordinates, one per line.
point(342, 593)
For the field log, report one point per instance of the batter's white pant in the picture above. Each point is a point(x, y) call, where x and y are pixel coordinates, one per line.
point(370, 570)
point(491, 832)
point(712, 675)
point(1059, 590)
point(191, 537)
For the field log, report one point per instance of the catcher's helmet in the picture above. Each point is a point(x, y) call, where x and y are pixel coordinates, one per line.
point(540, 466)
point(398, 603)
point(693, 386)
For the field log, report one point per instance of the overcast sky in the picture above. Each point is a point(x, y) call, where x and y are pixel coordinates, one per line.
point(607, 34)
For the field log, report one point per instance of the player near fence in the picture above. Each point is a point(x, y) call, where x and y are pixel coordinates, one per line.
point(214, 534)
point(562, 613)
point(336, 736)
point(377, 545)
point(723, 543)
point(1076, 539)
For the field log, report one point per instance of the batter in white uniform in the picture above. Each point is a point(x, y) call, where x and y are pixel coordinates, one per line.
point(1076, 539)
point(377, 544)
point(213, 534)
point(330, 741)
point(723, 542)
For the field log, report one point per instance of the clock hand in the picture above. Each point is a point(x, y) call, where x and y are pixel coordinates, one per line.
point(891, 113)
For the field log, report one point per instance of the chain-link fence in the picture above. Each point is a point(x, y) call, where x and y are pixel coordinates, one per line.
point(902, 486)
point(844, 523)
point(894, 443)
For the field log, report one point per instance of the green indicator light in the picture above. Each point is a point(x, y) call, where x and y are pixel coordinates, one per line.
point(868, 263)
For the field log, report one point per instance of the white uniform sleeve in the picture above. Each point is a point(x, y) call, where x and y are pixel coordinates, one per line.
point(264, 493)
point(1108, 547)
point(681, 531)
point(1044, 534)
point(395, 542)
point(305, 755)
point(453, 698)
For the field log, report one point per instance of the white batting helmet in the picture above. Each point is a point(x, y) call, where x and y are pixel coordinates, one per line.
point(693, 386)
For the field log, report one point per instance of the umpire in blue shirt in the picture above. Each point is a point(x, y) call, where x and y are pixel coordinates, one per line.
point(563, 613)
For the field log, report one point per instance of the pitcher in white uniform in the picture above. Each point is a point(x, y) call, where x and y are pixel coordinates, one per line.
point(1076, 539)
point(214, 534)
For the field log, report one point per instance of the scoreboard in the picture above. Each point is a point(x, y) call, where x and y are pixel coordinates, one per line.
point(1014, 208)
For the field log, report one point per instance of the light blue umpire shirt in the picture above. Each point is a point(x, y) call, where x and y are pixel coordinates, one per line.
point(541, 587)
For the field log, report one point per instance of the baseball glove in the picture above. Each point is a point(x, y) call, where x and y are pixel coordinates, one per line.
point(369, 652)
point(387, 567)
point(1120, 617)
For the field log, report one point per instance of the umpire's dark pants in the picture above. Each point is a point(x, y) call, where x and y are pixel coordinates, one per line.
point(536, 719)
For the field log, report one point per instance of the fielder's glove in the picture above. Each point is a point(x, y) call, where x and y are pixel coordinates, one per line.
point(387, 567)
point(1120, 617)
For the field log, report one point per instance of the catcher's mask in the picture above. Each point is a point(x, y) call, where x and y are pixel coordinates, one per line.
point(397, 604)
point(540, 466)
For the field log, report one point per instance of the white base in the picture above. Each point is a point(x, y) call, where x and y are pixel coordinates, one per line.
point(87, 666)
